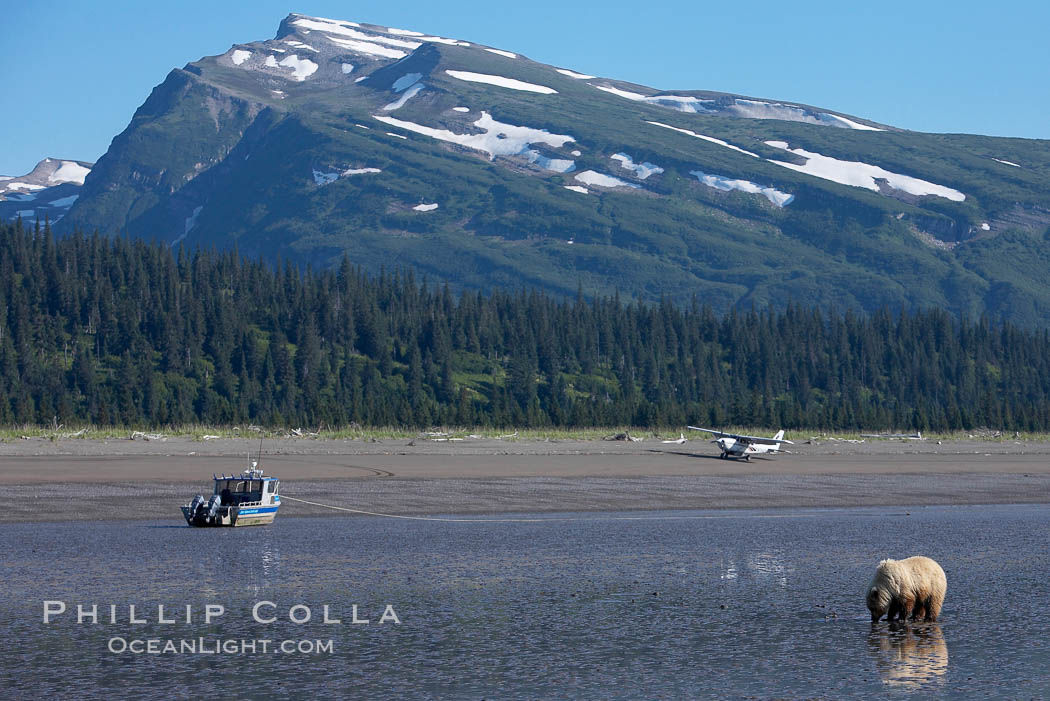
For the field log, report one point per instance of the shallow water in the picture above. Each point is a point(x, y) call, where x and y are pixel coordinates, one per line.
point(631, 605)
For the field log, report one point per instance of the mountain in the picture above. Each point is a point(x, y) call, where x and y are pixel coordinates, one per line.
point(45, 193)
point(480, 167)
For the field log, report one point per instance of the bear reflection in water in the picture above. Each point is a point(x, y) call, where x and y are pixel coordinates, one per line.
point(909, 655)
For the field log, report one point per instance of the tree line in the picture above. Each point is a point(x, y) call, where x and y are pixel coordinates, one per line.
point(110, 331)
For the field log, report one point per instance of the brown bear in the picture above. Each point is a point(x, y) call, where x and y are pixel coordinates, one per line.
point(914, 586)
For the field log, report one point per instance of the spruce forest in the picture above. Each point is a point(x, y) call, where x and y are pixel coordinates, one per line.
point(117, 332)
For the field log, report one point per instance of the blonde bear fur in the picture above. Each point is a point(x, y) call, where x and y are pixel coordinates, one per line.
point(914, 586)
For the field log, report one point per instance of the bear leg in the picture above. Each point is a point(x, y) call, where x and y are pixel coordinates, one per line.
point(934, 608)
point(906, 605)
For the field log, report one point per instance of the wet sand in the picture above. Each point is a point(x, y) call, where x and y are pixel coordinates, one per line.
point(76, 479)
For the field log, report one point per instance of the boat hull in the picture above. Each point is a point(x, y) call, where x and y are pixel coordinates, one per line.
point(235, 516)
point(254, 516)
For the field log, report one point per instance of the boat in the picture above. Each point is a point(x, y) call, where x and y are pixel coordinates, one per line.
point(247, 499)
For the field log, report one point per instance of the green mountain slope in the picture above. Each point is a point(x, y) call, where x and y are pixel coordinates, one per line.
point(337, 137)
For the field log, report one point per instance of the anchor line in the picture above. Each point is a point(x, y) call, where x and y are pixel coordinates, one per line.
point(427, 518)
point(563, 519)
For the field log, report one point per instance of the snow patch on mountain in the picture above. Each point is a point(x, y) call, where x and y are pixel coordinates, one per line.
point(757, 109)
point(850, 123)
point(425, 207)
point(750, 109)
point(498, 138)
point(858, 174)
point(346, 67)
point(726, 184)
point(46, 174)
point(50, 189)
point(302, 68)
point(461, 109)
point(368, 48)
point(577, 188)
point(271, 62)
point(409, 94)
point(191, 221)
point(399, 136)
point(442, 40)
point(239, 56)
point(501, 81)
point(682, 103)
point(344, 31)
point(637, 96)
point(711, 139)
point(406, 81)
point(557, 165)
point(69, 172)
point(64, 201)
point(391, 43)
point(321, 178)
point(641, 170)
point(300, 45)
point(1009, 163)
point(335, 21)
point(590, 177)
point(351, 30)
point(574, 74)
point(500, 52)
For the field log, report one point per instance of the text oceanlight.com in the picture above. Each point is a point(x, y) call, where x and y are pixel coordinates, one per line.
point(217, 646)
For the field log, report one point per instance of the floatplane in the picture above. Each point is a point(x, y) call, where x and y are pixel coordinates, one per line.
point(735, 445)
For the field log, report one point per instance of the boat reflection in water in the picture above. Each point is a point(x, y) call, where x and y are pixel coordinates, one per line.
point(909, 656)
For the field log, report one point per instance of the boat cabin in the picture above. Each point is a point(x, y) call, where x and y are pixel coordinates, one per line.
point(240, 489)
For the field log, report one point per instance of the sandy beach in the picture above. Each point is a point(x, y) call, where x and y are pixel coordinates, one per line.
point(78, 479)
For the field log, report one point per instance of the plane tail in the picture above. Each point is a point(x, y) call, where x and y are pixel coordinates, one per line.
point(779, 436)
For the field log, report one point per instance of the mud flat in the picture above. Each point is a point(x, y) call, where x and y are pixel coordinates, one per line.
point(77, 479)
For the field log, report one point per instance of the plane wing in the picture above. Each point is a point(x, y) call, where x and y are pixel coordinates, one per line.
point(713, 432)
point(766, 441)
point(761, 440)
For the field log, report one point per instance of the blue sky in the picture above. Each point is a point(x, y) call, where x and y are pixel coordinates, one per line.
point(75, 71)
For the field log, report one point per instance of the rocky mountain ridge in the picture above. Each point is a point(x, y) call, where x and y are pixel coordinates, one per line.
point(481, 167)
